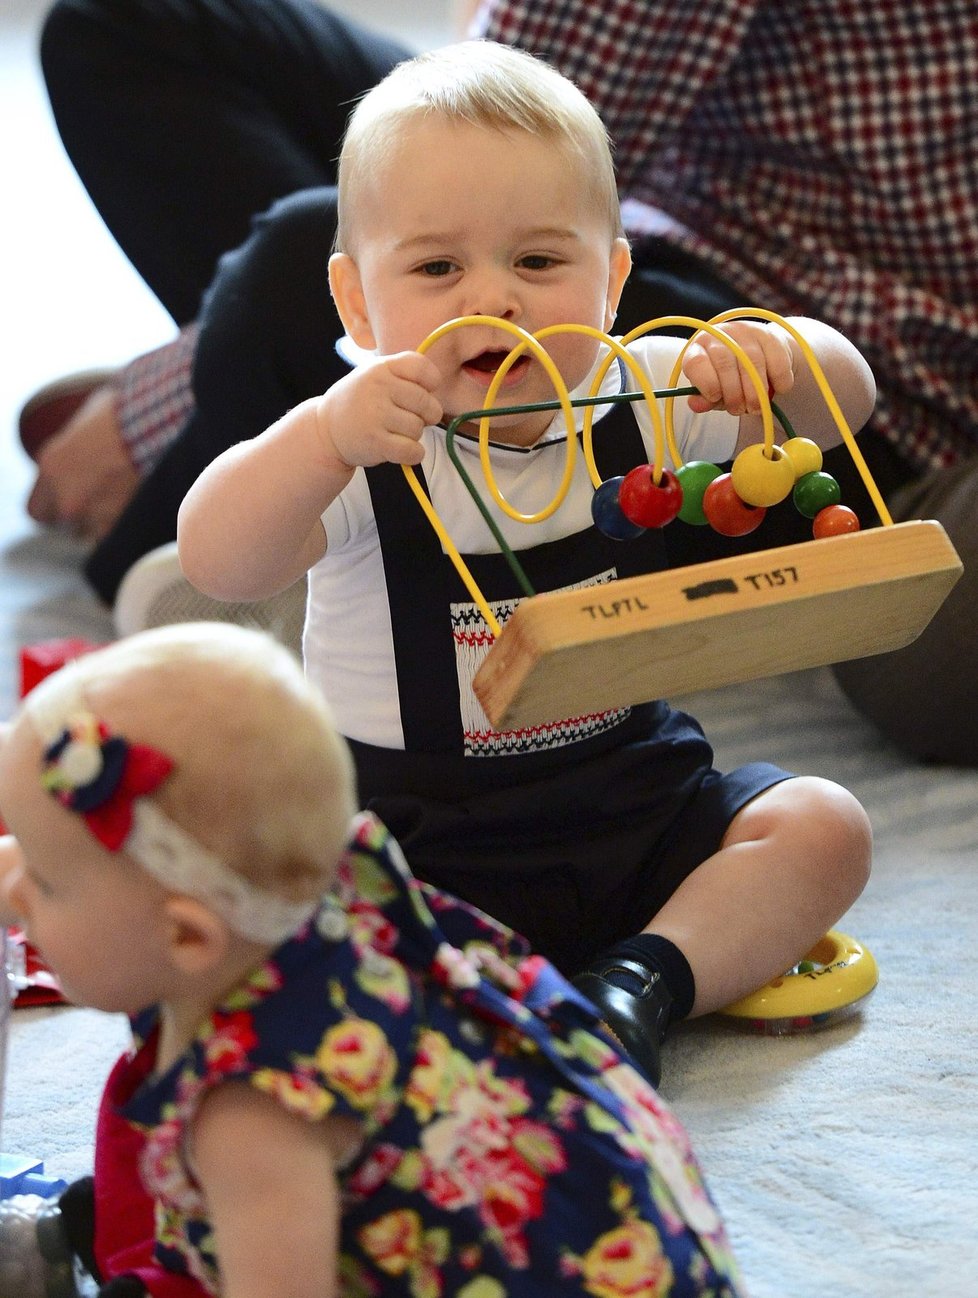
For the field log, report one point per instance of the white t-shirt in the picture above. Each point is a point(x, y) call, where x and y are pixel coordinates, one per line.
point(348, 644)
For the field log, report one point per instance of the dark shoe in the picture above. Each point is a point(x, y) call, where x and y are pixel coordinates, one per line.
point(638, 1018)
point(50, 408)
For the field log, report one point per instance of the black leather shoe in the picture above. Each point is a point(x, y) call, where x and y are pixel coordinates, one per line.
point(638, 1018)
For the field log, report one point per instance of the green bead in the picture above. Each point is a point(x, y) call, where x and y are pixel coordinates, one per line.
point(694, 478)
point(814, 492)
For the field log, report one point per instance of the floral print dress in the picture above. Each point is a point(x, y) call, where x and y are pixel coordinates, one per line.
point(509, 1149)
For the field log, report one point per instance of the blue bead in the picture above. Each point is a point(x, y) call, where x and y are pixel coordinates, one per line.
point(607, 514)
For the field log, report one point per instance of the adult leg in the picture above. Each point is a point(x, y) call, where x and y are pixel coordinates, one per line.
point(267, 341)
point(185, 118)
point(922, 698)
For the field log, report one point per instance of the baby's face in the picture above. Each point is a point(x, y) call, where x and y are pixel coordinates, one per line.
point(95, 916)
point(465, 220)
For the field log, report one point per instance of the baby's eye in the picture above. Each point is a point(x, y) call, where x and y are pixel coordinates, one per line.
point(537, 261)
point(437, 268)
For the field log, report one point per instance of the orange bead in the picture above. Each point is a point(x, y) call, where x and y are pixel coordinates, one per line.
point(726, 512)
point(834, 520)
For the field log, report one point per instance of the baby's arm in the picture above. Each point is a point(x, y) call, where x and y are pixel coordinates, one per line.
point(269, 1181)
point(714, 369)
point(251, 523)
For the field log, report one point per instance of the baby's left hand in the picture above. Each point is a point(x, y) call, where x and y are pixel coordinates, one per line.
point(723, 382)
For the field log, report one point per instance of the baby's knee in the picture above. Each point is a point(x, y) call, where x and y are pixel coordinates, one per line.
point(837, 832)
point(817, 827)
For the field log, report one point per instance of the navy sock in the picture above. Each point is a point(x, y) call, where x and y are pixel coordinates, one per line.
point(658, 955)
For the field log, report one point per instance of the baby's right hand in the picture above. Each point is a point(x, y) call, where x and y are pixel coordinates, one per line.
point(376, 414)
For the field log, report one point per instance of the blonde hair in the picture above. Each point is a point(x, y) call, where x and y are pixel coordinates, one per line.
point(261, 777)
point(482, 84)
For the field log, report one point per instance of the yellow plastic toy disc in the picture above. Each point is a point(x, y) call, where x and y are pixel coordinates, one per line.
point(827, 986)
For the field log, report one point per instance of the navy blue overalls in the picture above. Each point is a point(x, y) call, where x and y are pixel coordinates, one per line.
point(576, 846)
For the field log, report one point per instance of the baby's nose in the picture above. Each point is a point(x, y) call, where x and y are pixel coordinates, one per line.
point(494, 294)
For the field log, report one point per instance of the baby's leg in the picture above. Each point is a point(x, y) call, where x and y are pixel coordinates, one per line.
point(791, 863)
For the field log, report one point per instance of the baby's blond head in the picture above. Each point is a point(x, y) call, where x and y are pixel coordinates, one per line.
point(261, 781)
point(483, 84)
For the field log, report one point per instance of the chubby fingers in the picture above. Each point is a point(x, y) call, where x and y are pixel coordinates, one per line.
point(723, 382)
point(377, 414)
point(413, 405)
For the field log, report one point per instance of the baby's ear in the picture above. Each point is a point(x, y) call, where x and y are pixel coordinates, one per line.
point(197, 938)
point(347, 290)
point(619, 269)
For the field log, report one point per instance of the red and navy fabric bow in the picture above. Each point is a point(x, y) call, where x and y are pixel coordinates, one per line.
point(99, 775)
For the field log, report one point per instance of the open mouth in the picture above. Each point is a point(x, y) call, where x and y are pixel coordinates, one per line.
point(484, 366)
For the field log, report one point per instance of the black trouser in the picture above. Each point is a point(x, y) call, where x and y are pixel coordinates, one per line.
point(206, 132)
point(187, 118)
point(196, 125)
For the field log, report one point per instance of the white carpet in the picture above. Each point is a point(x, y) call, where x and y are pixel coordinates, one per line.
point(846, 1162)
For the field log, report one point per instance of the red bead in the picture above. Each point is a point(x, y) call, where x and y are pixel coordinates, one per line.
point(648, 503)
point(726, 512)
point(834, 520)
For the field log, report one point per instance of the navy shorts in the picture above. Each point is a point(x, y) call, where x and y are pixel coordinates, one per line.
point(580, 857)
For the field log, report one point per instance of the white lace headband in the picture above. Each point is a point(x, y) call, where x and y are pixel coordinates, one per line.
point(106, 780)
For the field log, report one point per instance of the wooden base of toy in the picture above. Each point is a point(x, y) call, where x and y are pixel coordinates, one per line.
point(573, 652)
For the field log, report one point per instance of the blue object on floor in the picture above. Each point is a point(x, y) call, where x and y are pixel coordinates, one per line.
point(20, 1175)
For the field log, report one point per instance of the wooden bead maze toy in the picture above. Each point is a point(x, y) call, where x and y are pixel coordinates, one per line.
point(845, 594)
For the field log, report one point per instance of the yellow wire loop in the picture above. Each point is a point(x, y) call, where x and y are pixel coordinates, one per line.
point(616, 349)
point(526, 341)
point(709, 327)
point(835, 410)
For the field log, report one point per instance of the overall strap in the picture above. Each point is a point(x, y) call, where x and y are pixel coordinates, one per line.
point(422, 583)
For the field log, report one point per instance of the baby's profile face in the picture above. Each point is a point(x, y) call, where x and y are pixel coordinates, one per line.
point(95, 916)
point(466, 220)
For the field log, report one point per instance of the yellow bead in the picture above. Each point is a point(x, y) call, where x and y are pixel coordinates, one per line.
point(804, 454)
point(760, 480)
